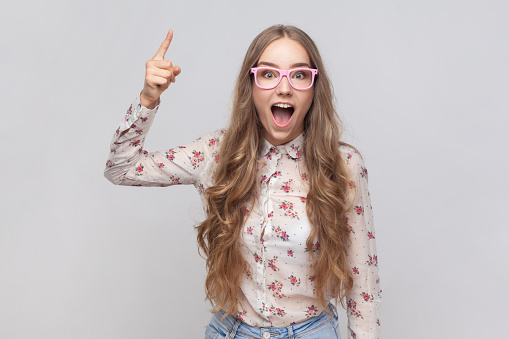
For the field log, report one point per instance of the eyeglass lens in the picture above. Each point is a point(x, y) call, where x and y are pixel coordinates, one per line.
point(301, 78)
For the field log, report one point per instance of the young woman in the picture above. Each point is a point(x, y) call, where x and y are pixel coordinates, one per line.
point(289, 222)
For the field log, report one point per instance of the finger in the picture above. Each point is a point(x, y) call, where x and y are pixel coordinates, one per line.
point(176, 70)
point(163, 73)
point(163, 64)
point(156, 80)
point(164, 46)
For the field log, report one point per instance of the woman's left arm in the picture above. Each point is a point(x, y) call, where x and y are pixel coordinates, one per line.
point(363, 301)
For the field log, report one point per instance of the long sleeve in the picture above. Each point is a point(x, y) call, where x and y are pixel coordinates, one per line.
point(129, 164)
point(363, 301)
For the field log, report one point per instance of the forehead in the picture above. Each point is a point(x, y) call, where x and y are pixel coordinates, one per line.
point(284, 53)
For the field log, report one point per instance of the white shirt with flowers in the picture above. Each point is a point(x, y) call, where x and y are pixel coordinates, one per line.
point(277, 288)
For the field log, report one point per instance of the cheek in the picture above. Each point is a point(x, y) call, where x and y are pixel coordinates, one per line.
point(260, 100)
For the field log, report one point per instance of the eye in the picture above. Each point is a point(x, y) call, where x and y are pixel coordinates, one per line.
point(300, 75)
point(269, 74)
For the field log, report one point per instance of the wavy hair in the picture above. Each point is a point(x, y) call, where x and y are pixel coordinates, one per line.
point(235, 186)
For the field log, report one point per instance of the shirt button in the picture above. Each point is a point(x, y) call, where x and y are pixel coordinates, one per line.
point(266, 335)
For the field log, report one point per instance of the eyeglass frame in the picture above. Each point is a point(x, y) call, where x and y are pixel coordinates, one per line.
point(286, 73)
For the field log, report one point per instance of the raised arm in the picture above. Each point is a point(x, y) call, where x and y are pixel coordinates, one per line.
point(129, 164)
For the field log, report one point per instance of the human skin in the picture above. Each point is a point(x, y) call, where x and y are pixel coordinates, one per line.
point(283, 53)
point(159, 74)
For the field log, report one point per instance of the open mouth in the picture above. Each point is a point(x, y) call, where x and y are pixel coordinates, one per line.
point(282, 114)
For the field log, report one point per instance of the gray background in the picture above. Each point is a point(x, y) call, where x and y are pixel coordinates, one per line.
point(422, 87)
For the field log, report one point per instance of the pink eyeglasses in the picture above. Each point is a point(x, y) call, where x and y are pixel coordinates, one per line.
point(269, 78)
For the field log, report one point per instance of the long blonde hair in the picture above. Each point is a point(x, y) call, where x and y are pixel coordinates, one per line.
point(219, 236)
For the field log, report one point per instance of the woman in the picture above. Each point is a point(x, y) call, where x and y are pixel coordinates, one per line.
point(288, 221)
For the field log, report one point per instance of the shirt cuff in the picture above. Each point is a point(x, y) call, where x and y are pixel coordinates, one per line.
point(137, 111)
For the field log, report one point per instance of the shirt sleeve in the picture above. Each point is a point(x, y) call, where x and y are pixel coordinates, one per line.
point(363, 301)
point(129, 164)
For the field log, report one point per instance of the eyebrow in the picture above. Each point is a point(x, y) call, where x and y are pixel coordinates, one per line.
point(296, 65)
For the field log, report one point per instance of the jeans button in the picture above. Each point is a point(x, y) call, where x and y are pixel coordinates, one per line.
point(266, 335)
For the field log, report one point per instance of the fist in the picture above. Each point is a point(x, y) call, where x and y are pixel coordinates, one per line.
point(159, 74)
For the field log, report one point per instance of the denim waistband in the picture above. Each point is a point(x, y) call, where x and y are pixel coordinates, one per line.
point(236, 326)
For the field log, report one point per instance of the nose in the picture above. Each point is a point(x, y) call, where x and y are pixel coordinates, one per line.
point(284, 87)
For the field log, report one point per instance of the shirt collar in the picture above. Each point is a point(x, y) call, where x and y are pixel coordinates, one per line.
point(293, 148)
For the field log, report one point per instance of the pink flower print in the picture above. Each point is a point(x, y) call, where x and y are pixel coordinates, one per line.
point(276, 174)
point(276, 288)
point(352, 307)
point(355, 270)
point(160, 164)
point(263, 308)
point(351, 184)
point(359, 210)
point(378, 322)
point(289, 253)
point(181, 147)
point(144, 119)
point(348, 157)
point(373, 260)
point(249, 230)
point(302, 199)
point(272, 264)
point(117, 131)
point(271, 214)
point(109, 163)
point(257, 257)
point(353, 335)
point(264, 178)
point(139, 169)
point(304, 176)
point(364, 172)
point(269, 156)
point(196, 158)
point(280, 233)
point(315, 247)
point(367, 297)
point(201, 189)
point(216, 158)
point(212, 142)
point(170, 154)
point(294, 280)
point(311, 311)
point(139, 131)
point(288, 208)
point(136, 143)
point(312, 278)
point(240, 314)
point(286, 186)
point(277, 311)
point(174, 180)
point(371, 235)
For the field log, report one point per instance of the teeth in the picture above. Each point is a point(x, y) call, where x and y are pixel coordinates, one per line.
point(283, 105)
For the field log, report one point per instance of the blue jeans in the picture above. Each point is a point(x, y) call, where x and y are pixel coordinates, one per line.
point(323, 326)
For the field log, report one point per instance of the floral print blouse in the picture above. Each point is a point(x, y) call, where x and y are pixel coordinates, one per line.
point(278, 284)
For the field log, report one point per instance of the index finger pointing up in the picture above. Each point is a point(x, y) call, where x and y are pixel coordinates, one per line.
point(164, 46)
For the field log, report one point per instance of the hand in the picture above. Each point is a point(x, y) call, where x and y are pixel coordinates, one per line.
point(159, 75)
